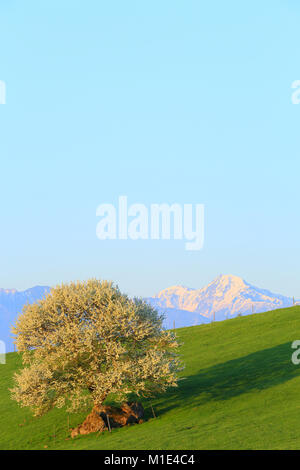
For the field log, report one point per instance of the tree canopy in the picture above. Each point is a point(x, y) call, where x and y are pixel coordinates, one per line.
point(87, 340)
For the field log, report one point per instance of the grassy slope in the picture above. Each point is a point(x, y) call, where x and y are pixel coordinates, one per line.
point(240, 391)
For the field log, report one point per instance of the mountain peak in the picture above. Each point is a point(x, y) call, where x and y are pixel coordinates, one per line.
point(227, 295)
point(229, 280)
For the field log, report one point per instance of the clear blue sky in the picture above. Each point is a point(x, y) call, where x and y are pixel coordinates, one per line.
point(162, 101)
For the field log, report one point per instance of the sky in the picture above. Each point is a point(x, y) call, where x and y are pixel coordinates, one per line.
point(164, 102)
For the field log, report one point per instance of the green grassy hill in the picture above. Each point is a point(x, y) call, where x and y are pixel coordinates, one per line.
point(240, 391)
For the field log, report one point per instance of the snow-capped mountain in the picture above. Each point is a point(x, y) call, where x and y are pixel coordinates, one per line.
point(11, 304)
point(225, 297)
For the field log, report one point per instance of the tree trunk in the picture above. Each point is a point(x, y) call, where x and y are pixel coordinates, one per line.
point(103, 418)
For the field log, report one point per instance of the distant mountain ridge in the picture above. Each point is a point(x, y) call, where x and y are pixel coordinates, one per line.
point(11, 304)
point(225, 297)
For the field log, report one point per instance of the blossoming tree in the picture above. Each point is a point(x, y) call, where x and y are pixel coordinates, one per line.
point(85, 341)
